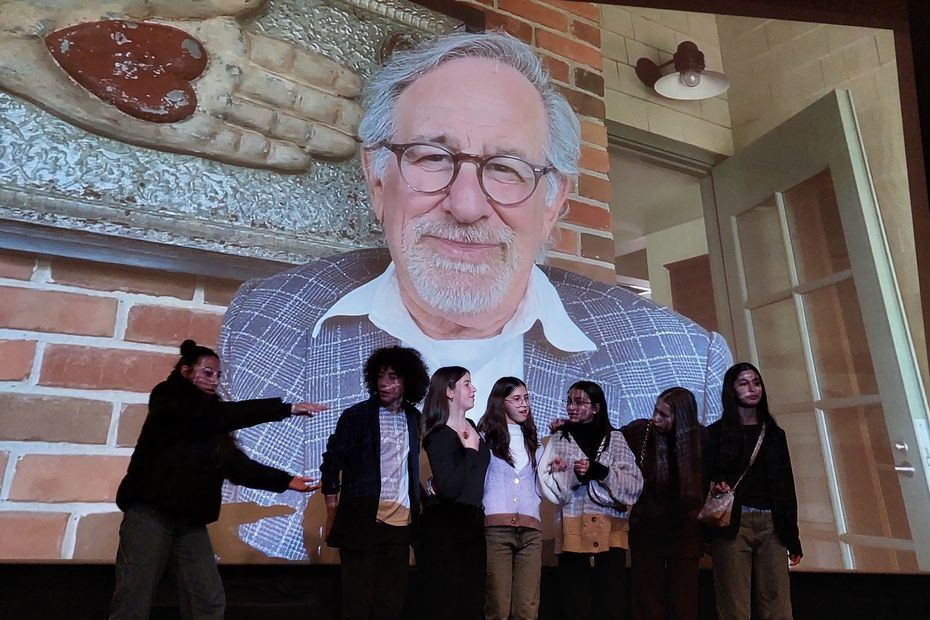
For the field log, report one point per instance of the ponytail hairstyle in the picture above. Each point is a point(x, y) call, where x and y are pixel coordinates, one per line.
point(191, 352)
point(436, 406)
point(494, 422)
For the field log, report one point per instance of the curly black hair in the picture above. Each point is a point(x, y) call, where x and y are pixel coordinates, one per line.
point(404, 361)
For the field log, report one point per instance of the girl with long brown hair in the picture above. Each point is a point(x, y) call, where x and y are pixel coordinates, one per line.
point(451, 551)
point(665, 535)
point(513, 530)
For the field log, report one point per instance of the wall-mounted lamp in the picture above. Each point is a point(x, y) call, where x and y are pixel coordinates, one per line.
point(689, 80)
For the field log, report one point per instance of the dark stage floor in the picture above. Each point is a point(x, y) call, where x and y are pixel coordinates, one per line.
point(77, 592)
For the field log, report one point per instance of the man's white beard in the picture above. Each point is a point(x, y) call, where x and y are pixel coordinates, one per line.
point(460, 287)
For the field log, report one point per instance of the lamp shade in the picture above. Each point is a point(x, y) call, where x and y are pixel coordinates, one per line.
point(711, 84)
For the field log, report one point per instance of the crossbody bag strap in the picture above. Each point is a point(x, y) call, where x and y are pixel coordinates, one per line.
point(642, 448)
point(752, 459)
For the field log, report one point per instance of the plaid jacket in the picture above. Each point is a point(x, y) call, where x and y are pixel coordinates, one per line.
point(267, 350)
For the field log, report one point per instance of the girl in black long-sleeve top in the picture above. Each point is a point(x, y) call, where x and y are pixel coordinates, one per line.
point(452, 552)
point(749, 554)
point(172, 487)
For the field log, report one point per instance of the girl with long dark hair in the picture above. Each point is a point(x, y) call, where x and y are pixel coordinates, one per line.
point(513, 530)
point(452, 547)
point(665, 535)
point(587, 470)
point(172, 487)
point(750, 553)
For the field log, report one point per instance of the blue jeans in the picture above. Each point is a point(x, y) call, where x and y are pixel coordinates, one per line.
point(148, 540)
point(756, 557)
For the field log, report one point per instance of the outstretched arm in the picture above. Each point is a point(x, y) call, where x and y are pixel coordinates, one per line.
point(240, 469)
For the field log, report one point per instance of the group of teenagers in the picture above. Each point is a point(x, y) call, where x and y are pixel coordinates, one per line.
point(469, 502)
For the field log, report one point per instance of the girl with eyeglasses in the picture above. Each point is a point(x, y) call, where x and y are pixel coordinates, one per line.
point(587, 470)
point(513, 530)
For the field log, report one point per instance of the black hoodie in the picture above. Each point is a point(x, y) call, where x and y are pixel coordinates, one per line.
point(185, 451)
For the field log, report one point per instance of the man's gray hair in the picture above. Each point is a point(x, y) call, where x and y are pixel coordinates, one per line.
point(563, 144)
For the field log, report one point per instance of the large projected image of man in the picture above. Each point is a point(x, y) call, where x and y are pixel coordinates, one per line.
point(469, 154)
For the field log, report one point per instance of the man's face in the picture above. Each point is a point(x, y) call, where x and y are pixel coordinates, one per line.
point(456, 250)
point(390, 387)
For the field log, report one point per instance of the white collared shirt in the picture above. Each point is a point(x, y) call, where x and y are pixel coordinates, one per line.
point(487, 359)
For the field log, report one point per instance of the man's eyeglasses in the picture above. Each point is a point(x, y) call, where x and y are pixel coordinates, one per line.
point(430, 169)
point(519, 400)
point(578, 402)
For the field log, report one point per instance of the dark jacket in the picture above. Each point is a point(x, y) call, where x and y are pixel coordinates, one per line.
point(774, 458)
point(354, 451)
point(185, 451)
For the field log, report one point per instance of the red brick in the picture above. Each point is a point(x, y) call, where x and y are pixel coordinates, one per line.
point(583, 103)
point(520, 29)
point(171, 326)
point(32, 535)
point(16, 359)
point(474, 2)
point(558, 69)
point(566, 241)
point(28, 417)
point(597, 248)
point(595, 133)
point(535, 12)
point(97, 537)
point(586, 32)
point(4, 457)
point(595, 272)
point(597, 160)
point(589, 216)
point(131, 419)
point(74, 366)
point(16, 265)
point(570, 49)
point(67, 478)
point(584, 9)
point(220, 291)
point(54, 311)
point(595, 188)
point(107, 277)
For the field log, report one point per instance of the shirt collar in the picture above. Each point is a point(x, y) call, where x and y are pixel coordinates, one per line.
point(379, 300)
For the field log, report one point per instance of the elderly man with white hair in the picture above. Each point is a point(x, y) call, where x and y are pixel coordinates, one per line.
point(469, 154)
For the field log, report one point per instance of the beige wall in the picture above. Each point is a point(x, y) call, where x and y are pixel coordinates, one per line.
point(777, 68)
point(668, 246)
point(630, 33)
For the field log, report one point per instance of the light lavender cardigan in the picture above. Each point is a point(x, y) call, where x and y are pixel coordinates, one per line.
point(510, 496)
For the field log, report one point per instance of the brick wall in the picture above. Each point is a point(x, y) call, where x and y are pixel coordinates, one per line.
point(631, 33)
point(81, 345)
point(779, 67)
point(568, 37)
